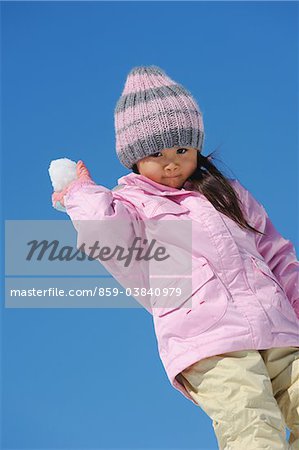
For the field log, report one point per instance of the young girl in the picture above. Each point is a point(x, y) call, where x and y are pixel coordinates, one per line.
point(234, 350)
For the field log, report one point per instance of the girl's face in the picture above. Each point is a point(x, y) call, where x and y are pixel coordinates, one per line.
point(171, 166)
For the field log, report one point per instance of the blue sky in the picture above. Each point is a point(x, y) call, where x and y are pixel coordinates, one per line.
point(92, 378)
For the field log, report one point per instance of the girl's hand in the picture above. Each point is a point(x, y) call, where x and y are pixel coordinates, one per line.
point(63, 173)
point(58, 199)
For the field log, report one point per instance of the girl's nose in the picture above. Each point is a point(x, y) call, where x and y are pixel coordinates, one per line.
point(171, 167)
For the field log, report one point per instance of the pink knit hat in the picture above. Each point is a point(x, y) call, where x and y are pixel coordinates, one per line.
point(154, 112)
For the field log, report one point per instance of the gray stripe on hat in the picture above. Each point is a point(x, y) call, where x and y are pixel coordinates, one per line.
point(189, 137)
point(147, 95)
point(155, 115)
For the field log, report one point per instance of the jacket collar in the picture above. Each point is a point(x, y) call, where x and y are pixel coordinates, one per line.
point(149, 186)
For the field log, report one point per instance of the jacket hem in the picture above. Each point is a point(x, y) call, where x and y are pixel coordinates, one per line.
point(192, 355)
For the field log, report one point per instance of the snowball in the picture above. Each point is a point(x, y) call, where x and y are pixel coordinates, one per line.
point(62, 172)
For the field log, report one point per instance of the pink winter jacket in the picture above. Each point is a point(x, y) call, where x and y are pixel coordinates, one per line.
point(239, 289)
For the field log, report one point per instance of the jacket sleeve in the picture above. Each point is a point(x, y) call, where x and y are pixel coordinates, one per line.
point(278, 252)
point(98, 216)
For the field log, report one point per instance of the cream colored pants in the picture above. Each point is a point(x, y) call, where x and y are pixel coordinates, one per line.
point(251, 396)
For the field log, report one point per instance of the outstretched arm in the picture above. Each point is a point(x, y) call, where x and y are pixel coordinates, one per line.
point(99, 217)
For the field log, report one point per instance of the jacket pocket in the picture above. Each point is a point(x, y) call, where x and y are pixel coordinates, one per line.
point(186, 287)
point(197, 312)
point(279, 298)
point(262, 267)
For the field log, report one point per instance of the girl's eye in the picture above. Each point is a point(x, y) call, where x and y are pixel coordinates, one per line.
point(179, 150)
point(184, 149)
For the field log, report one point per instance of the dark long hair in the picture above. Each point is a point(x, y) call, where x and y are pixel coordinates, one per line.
point(216, 187)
